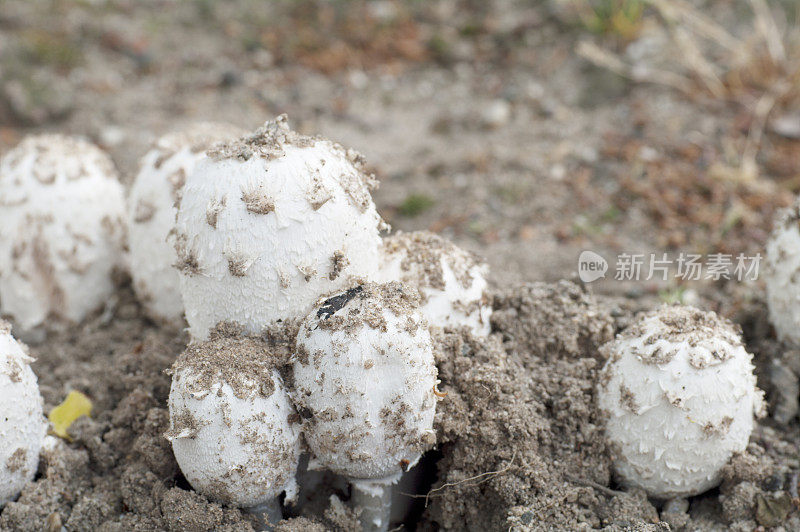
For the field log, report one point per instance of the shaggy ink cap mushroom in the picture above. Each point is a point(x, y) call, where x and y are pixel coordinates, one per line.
point(62, 230)
point(450, 280)
point(269, 223)
point(22, 424)
point(781, 274)
point(364, 384)
point(678, 397)
point(152, 210)
point(232, 427)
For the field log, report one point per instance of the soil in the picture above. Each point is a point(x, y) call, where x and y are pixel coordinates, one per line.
point(484, 126)
point(520, 443)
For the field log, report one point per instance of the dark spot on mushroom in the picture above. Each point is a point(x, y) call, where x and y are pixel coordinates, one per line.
point(339, 262)
point(212, 211)
point(720, 429)
point(144, 212)
point(46, 272)
point(44, 174)
point(319, 195)
point(257, 203)
point(338, 302)
point(187, 258)
point(307, 271)
point(302, 355)
point(238, 266)
point(626, 399)
point(189, 264)
point(177, 179)
point(162, 158)
point(16, 461)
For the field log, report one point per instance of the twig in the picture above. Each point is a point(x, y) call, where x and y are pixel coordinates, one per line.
point(608, 60)
point(700, 23)
point(599, 487)
point(481, 478)
point(698, 62)
point(761, 112)
point(768, 28)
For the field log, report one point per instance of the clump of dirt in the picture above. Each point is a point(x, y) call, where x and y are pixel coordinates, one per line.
point(422, 254)
point(267, 142)
point(547, 320)
point(520, 441)
point(519, 429)
point(243, 363)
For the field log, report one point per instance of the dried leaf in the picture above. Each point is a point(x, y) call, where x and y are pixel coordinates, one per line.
point(64, 415)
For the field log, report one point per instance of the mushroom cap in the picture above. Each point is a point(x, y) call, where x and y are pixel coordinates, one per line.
point(678, 395)
point(364, 377)
point(152, 209)
point(22, 425)
point(268, 224)
point(62, 229)
point(450, 280)
point(231, 422)
point(781, 274)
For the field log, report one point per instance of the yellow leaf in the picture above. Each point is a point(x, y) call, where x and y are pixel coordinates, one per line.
point(64, 415)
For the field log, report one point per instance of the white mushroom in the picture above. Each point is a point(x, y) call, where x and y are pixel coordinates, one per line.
point(451, 281)
point(62, 229)
point(365, 383)
point(679, 397)
point(152, 209)
point(233, 430)
point(268, 224)
point(782, 274)
point(22, 425)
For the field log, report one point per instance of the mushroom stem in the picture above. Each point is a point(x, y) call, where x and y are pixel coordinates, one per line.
point(268, 514)
point(374, 497)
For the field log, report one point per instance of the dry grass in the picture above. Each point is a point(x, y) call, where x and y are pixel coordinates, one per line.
point(691, 205)
point(760, 71)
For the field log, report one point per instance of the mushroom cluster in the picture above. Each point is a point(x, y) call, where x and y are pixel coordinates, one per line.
point(243, 235)
point(310, 334)
point(279, 230)
point(679, 398)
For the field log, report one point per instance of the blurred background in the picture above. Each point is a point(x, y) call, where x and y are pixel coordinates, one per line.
point(524, 130)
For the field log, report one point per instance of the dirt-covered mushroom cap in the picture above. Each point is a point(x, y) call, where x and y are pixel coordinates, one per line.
point(679, 397)
point(153, 207)
point(22, 426)
point(365, 381)
point(782, 274)
point(451, 281)
point(268, 224)
point(61, 229)
point(232, 427)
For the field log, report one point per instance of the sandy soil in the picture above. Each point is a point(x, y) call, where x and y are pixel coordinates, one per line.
point(484, 125)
